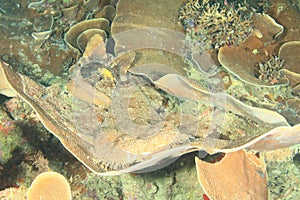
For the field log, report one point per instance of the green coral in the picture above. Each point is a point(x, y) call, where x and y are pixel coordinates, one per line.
point(283, 179)
point(102, 187)
point(177, 181)
point(214, 24)
point(43, 77)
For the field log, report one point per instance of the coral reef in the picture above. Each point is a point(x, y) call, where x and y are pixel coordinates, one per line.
point(216, 25)
point(39, 50)
point(172, 182)
point(241, 60)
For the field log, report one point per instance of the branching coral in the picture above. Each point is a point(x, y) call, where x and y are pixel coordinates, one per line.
point(214, 24)
point(269, 70)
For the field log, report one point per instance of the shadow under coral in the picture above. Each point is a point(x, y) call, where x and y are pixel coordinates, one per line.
point(37, 141)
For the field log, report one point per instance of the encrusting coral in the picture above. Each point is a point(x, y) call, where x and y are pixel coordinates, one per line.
point(49, 186)
point(214, 24)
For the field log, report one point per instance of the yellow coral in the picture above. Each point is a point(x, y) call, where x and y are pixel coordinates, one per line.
point(49, 186)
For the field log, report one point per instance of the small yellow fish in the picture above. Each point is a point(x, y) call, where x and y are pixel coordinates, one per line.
point(106, 74)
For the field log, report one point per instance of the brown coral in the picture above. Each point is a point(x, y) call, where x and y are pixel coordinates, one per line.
point(269, 70)
point(239, 175)
point(242, 59)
